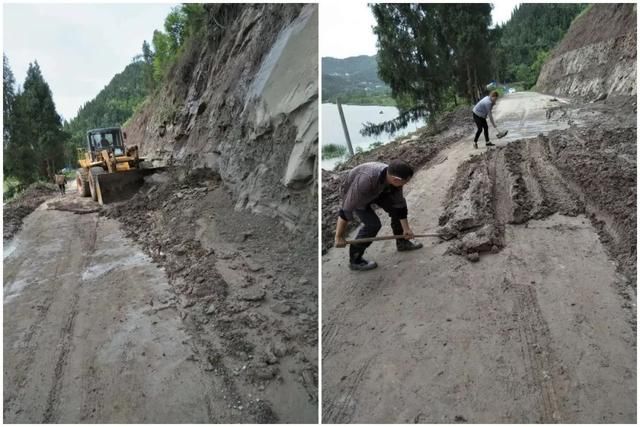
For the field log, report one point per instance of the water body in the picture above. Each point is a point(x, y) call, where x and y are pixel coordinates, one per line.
point(356, 116)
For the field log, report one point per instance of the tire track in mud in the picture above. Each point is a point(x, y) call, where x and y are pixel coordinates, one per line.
point(536, 347)
point(66, 334)
point(507, 185)
point(340, 409)
point(546, 185)
point(63, 264)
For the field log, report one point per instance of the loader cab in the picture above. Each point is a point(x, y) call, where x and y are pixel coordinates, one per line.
point(110, 139)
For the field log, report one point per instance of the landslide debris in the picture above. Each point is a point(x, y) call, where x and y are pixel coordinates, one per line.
point(417, 149)
point(589, 171)
point(242, 101)
point(243, 284)
point(23, 204)
point(234, 222)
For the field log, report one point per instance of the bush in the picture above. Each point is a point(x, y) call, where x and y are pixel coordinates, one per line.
point(332, 151)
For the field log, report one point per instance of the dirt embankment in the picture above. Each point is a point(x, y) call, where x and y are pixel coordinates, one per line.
point(418, 149)
point(247, 289)
point(26, 202)
point(597, 56)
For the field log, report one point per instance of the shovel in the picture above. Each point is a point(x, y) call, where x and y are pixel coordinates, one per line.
point(501, 133)
point(375, 239)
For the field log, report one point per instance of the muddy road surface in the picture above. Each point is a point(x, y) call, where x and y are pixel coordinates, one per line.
point(95, 332)
point(541, 329)
point(81, 342)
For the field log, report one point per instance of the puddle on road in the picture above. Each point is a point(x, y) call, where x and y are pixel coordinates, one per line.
point(8, 248)
point(14, 289)
point(97, 270)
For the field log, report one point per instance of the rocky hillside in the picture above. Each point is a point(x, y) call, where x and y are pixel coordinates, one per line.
point(241, 101)
point(597, 56)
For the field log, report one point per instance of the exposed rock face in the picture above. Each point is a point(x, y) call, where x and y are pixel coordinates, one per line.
point(597, 56)
point(242, 101)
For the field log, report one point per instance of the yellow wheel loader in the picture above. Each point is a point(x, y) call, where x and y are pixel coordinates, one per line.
point(109, 170)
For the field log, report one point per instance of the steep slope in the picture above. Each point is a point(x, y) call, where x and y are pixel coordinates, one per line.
point(242, 102)
point(590, 63)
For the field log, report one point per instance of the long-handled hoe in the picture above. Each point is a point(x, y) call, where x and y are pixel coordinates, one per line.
point(375, 239)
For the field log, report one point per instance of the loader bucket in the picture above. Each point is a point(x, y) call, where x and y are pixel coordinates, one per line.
point(113, 187)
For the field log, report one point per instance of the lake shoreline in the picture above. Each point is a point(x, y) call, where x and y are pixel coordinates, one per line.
point(356, 116)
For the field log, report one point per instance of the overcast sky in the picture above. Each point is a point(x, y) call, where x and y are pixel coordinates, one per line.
point(346, 27)
point(79, 47)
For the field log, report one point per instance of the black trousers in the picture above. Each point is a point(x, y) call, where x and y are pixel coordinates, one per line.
point(371, 224)
point(482, 125)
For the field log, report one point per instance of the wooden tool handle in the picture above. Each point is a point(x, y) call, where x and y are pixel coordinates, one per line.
point(375, 239)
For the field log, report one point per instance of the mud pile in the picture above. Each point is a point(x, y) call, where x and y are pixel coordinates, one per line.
point(245, 287)
point(597, 56)
point(417, 149)
point(26, 202)
point(588, 171)
point(241, 101)
point(602, 164)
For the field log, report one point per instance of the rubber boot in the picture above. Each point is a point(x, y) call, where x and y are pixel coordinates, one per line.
point(356, 262)
point(404, 245)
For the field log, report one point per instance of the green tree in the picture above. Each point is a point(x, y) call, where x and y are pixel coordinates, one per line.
point(147, 59)
point(425, 50)
point(163, 54)
point(465, 29)
point(8, 95)
point(181, 24)
point(533, 28)
point(36, 147)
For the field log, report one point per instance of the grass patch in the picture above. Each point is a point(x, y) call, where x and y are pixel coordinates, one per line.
point(332, 151)
point(10, 188)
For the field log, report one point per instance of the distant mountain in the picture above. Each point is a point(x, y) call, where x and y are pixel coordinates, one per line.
point(112, 106)
point(351, 78)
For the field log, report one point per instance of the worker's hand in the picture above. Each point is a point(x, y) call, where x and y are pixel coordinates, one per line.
point(408, 233)
point(340, 242)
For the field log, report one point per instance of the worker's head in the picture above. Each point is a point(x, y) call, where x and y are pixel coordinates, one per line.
point(494, 96)
point(399, 173)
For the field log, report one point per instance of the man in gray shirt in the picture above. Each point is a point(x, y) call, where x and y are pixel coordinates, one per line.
point(380, 184)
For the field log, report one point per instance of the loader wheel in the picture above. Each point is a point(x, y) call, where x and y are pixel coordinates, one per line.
point(93, 173)
point(82, 182)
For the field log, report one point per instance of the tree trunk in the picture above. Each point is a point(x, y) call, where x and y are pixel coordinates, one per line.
point(475, 83)
point(469, 89)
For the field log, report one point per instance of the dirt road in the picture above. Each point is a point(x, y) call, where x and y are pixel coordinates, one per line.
point(81, 341)
point(95, 332)
point(542, 331)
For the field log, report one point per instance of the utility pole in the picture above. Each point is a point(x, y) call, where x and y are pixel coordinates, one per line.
point(344, 127)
